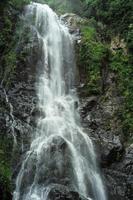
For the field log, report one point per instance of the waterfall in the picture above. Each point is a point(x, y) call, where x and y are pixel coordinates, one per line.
point(60, 152)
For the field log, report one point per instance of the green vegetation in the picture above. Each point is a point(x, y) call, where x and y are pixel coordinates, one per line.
point(110, 18)
point(115, 14)
point(18, 3)
point(121, 65)
point(5, 167)
point(10, 10)
point(63, 6)
point(129, 38)
point(92, 54)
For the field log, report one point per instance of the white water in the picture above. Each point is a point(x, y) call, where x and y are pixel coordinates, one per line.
point(11, 123)
point(60, 153)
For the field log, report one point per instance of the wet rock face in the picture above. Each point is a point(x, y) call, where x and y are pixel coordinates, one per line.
point(17, 102)
point(52, 177)
point(127, 162)
point(119, 177)
point(116, 161)
point(58, 169)
point(60, 192)
point(118, 184)
point(72, 21)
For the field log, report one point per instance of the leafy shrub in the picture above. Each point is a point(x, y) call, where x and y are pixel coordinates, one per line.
point(18, 4)
point(130, 38)
point(116, 14)
point(122, 66)
point(92, 52)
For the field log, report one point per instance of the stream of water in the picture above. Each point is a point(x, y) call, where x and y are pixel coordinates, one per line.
point(60, 152)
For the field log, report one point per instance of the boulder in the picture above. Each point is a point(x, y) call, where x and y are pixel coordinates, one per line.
point(60, 192)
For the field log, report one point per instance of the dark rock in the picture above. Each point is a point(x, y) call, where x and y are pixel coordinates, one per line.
point(99, 119)
point(112, 150)
point(4, 192)
point(55, 173)
point(57, 169)
point(87, 105)
point(116, 184)
point(60, 192)
point(127, 162)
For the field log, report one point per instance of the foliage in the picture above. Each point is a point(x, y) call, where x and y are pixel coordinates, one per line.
point(5, 171)
point(121, 64)
point(93, 57)
point(116, 14)
point(16, 4)
point(130, 38)
point(92, 53)
point(8, 38)
point(62, 6)
point(111, 18)
point(19, 4)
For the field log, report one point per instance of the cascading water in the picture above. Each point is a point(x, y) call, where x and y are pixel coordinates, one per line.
point(60, 153)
